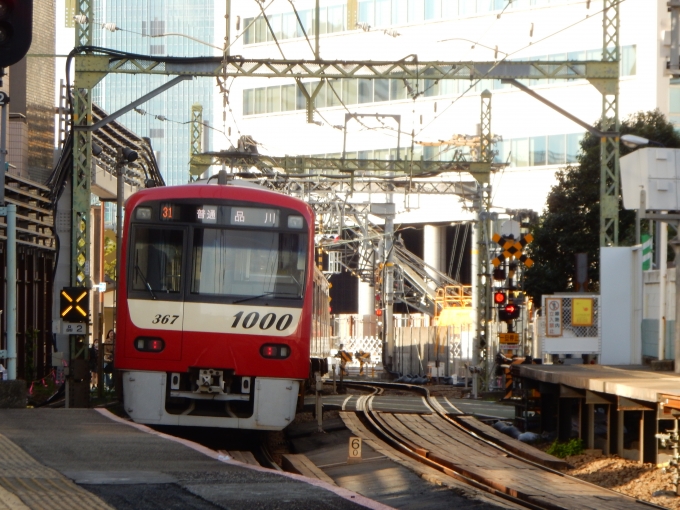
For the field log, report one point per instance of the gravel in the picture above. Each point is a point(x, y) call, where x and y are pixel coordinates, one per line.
point(628, 477)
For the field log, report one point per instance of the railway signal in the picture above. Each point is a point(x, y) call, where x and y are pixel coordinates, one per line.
point(16, 30)
point(499, 297)
point(509, 312)
point(74, 304)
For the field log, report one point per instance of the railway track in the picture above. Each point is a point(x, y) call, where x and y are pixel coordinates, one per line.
point(442, 443)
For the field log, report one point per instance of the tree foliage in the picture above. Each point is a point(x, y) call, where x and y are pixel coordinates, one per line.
point(570, 223)
point(110, 258)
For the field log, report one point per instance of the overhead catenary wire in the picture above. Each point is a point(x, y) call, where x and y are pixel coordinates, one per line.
point(309, 43)
point(507, 55)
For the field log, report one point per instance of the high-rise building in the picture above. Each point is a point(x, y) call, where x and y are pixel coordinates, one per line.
point(141, 26)
point(31, 90)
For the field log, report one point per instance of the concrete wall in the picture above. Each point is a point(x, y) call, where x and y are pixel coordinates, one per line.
point(621, 306)
point(651, 313)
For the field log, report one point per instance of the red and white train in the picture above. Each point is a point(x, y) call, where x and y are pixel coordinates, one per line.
point(222, 313)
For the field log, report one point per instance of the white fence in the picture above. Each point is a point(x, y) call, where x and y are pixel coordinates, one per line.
point(420, 349)
point(433, 350)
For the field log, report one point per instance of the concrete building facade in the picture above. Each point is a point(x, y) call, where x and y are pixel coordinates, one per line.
point(31, 89)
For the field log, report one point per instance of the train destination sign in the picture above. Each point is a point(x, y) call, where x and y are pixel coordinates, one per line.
point(254, 217)
point(219, 215)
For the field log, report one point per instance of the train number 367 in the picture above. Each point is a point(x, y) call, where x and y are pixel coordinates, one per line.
point(267, 321)
point(164, 319)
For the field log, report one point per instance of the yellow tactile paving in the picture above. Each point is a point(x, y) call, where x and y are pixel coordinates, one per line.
point(26, 484)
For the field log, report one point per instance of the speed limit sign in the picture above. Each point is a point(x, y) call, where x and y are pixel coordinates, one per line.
point(354, 449)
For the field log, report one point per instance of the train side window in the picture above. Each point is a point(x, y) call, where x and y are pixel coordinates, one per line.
point(156, 264)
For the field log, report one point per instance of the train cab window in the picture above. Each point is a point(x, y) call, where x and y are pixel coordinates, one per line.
point(248, 263)
point(156, 264)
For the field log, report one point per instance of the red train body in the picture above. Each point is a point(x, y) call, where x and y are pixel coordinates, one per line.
point(216, 306)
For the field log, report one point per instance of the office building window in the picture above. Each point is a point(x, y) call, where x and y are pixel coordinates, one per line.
point(628, 60)
point(366, 12)
point(537, 152)
point(557, 149)
point(248, 107)
point(381, 90)
point(286, 26)
point(288, 97)
point(273, 99)
point(573, 146)
point(365, 91)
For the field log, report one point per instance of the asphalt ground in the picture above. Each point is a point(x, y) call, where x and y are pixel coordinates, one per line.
point(87, 458)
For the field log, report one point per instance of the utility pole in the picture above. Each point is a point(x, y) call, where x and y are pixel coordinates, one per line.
point(609, 122)
point(481, 238)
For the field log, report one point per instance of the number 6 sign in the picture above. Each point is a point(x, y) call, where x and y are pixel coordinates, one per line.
point(354, 449)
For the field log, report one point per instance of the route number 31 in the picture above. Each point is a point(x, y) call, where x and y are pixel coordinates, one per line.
point(355, 449)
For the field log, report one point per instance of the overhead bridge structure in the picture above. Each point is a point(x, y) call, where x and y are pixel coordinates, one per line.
point(346, 228)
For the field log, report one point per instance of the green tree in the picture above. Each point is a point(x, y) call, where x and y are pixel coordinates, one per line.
point(109, 261)
point(570, 223)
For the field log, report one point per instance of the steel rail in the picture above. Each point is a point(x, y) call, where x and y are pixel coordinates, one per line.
point(440, 411)
point(398, 444)
point(407, 447)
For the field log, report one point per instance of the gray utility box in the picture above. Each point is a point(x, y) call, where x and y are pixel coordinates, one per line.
point(656, 171)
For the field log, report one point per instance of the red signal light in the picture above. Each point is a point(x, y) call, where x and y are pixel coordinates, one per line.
point(378, 312)
point(499, 298)
point(508, 312)
point(149, 344)
point(275, 351)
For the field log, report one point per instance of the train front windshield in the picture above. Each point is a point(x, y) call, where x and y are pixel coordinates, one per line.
point(224, 262)
point(248, 263)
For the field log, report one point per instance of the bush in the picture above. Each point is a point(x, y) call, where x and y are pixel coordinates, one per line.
point(562, 450)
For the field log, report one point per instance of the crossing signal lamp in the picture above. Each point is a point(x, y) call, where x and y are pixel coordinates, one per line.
point(499, 298)
point(509, 312)
point(74, 304)
point(16, 30)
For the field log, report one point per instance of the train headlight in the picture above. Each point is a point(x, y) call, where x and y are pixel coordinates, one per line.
point(143, 213)
point(295, 222)
point(145, 344)
point(275, 351)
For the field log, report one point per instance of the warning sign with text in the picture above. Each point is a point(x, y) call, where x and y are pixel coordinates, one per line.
point(553, 319)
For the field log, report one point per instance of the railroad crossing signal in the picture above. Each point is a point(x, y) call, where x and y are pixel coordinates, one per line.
point(74, 304)
point(499, 297)
point(512, 249)
point(508, 313)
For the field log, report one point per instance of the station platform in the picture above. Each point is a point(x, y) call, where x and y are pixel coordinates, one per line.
point(91, 459)
point(616, 409)
point(635, 381)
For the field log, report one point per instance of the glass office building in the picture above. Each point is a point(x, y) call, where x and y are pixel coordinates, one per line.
point(140, 25)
